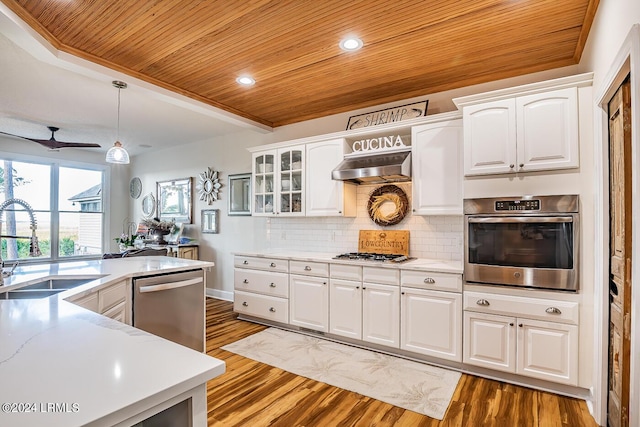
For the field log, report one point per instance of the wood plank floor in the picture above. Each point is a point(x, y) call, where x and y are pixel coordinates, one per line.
point(254, 394)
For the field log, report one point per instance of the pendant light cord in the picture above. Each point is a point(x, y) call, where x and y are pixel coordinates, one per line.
point(118, 120)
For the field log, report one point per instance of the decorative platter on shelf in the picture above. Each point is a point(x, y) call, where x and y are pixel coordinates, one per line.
point(388, 205)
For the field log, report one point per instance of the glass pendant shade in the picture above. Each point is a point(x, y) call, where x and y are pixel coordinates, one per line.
point(117, 154)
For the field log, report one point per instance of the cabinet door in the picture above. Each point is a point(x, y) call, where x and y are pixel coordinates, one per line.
point(190, 252)
point(381, 314)
point(263, 186)
point(437, 168)
point(490, 137)
point(547, 130)
point(548, 351)
point(490, 341)
point(325, 196)
point(290, 181)
point(432, 323)
point(309, 302)
point(345, 308)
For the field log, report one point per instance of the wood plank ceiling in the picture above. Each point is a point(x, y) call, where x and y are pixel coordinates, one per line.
point(411, 47)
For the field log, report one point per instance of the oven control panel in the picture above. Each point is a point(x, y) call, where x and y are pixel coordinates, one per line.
point(517, 205)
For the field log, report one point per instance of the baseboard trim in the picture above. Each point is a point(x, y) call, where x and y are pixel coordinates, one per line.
point(218, 294)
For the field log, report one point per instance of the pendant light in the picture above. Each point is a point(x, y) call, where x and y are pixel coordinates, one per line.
point(117, 153)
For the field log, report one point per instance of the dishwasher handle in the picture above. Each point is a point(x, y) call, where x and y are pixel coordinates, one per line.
point(170, 285)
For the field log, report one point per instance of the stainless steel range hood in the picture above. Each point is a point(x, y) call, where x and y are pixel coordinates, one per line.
point(375, 168)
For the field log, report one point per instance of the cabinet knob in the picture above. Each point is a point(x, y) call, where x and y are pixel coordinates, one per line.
point(363, 288)
point(402, 293)
point(357, 287)
point(245, 304)
point(511, 166)
point(245, 281)
point(520, 325)
point(553, 310)
point(245, 262)
point(511, 324)
point(273, 264)
point(339, 212)
point(413, 210)
point(273, 310)
point(483, 302)
point(272, 285)
point(429, 280)
point(521, 165)
point(307, 268)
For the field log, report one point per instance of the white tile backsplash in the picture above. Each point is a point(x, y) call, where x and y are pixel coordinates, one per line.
point(438, 237)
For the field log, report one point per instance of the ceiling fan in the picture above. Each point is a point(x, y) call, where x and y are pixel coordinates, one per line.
point(52, 144)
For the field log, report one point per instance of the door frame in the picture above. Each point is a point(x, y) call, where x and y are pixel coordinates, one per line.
point(627, 61)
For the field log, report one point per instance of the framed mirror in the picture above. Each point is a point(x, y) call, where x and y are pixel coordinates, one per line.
point(240, 194)
point(148, 205)
point(174, 200)
point(209, 222)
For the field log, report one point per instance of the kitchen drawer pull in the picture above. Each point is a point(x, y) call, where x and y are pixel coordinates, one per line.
point(429, 280)
point(553, 310)
point(245, 304)
point(511, 324)
point(511, 166)
point(245, 262)
point(245, 281)
point(273, 310)
point(521, 165)
point(273, 264)
point(307, 268)
point(483, 302)
point(272, 285)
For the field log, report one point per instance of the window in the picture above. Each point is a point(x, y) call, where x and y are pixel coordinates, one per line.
point(66, 204)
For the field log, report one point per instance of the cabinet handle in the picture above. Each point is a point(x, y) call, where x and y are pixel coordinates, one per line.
point(273, 310)
point(401, 293)
point(324, 283)
point(272, 285)
point(245, 304)
point(357, 287)
point(339, 212)
point(245, 262)
point(363, 288)
point(273, 264)
point(553, 310)
point(429, 280)
point(245, 281)
point(520, 325)
point(511, 166)
point(482, 302)
point(307, 268)
point(521, 165)
point(511, 324)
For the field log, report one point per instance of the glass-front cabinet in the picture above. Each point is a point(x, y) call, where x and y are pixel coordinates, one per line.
point(278, 185)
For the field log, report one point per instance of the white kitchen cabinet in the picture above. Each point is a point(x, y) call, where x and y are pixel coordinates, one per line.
point(437, 168)
point(381, 314)
point(113, 301)
point(537, 349)
point(325, 196)
point(309, 302)
point(345, 308)
point(522, 133)
point(279, 182)
point(432, 323)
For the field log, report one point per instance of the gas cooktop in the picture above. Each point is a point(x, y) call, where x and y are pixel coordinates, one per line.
point(368, 256)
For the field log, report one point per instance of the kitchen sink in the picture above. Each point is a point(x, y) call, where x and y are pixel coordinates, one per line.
point(45, 288)
point(30, 293)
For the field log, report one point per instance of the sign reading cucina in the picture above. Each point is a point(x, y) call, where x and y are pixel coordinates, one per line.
point(378, 144)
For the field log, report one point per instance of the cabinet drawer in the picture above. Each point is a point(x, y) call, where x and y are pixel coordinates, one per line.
point(532, 308)
point(90, 302)
point(429, 280)
point(308, 268)
point(346, 272)
point(385, 276)
point(117, 312)
point(263, 282)
point(112, 295)
point(258, 263)
point(267, 307)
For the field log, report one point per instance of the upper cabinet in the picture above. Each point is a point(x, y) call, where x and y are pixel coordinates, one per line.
point(278, 182)
point(528, 128)
point(437, 168)
point(325, 196)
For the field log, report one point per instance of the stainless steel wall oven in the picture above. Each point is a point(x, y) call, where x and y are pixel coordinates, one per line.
point(529, 241)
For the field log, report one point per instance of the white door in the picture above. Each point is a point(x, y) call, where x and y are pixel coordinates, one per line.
point(345, 308)
point(309, 302)
point(547, 130)
point(490, 341)
point(325, 196)
point(490, 137)
point(381, 314)
point(431, 323)
point(548, 351)
point(437, 168)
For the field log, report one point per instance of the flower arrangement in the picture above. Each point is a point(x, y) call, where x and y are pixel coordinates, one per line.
point(126, 240)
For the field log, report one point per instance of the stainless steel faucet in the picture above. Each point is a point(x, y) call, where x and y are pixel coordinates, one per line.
point(34, 248)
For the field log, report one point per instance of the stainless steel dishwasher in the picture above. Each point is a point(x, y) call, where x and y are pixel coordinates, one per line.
point(172, 306)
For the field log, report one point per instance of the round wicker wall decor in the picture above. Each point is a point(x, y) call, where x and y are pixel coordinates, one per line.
point(379, 208)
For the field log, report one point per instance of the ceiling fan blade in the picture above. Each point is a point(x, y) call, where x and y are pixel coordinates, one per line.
point(54, 145)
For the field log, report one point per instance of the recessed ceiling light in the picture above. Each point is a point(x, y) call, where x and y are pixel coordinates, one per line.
point(350, 44)
point(246, 80)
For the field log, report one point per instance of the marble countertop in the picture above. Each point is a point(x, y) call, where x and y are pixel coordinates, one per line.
point(53, 352)
point(421, 264)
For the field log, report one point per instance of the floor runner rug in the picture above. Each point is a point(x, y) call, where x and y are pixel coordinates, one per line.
point(410, 385)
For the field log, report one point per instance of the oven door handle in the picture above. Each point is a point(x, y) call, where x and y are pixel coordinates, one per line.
point(170, 285)
point(520, 219)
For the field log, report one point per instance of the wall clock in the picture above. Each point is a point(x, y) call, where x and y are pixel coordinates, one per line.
point(135, 187)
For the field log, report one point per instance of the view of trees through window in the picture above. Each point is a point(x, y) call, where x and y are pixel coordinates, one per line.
point(67, 207)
